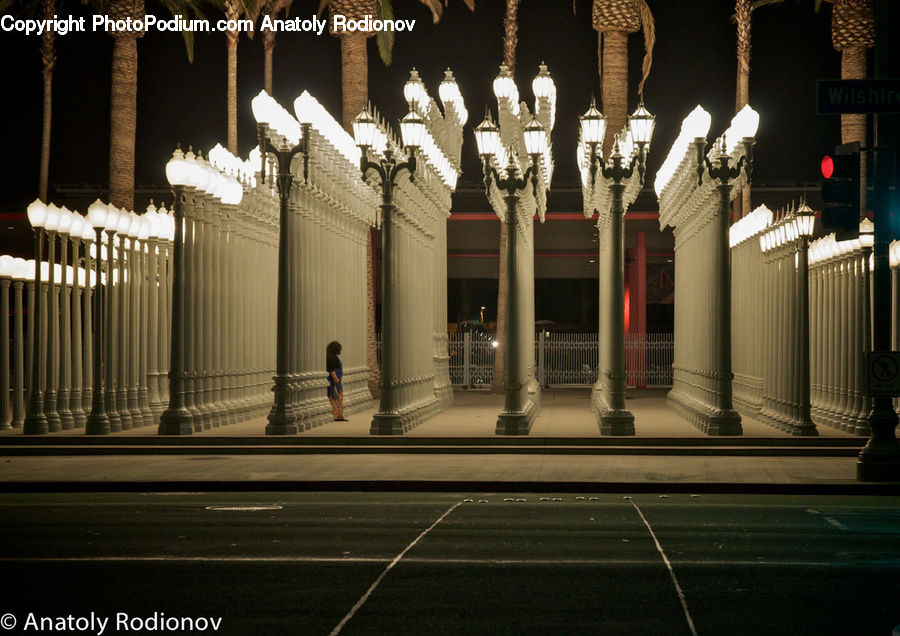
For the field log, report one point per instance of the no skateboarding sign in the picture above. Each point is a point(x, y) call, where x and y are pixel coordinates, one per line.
point(884, 373)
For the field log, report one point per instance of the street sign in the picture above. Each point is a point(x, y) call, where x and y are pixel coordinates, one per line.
point(884, 373)
point(858, 96)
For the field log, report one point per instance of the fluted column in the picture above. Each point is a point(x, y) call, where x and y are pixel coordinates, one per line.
point(67, 421)
point(76, 402)
point(18, 402)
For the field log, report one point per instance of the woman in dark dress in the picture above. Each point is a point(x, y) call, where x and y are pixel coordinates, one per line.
point(335, 373)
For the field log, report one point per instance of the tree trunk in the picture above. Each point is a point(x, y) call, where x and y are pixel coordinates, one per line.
point(853, 127)
point(511, 34)
point(48, 57)
point(231, 103)
point(614, 85)
point(743, 15)
point(123, 121)
point(268, 47)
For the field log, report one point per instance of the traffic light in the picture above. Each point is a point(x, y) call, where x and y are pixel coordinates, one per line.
point(840, 191)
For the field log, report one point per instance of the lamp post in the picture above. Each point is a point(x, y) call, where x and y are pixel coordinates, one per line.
point(176, 419)
point(804, 220)
point(616, 419)
point(867, 242)
point(98, 422)
point(487, 137)
point(7, 269)
point(282, 137)
point(388, 166)
point(74, 352)
point(724, 420)
point(54, 423)
point(18, 284)
point(36, 420)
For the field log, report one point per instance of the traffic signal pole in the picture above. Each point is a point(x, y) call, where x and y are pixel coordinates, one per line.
point(879, 460)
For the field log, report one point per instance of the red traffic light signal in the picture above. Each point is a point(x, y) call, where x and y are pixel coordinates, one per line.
point(841, 192)
point(827, 166)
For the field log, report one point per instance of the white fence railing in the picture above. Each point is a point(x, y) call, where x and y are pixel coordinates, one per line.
point(563, 359)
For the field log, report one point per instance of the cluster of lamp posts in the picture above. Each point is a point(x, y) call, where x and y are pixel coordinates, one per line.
point(175, 299)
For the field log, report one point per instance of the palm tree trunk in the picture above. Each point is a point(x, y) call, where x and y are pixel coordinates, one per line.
point(123, 120)
point(853, 127)
point(48, 57)
point(614, 85)
point(511, 34)
point(231, 100)
point(743, 15)
point(268, 47)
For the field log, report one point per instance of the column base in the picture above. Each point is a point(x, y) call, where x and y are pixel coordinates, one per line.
point(386, 424)
point(616, 422)
point(35, 426)
point(724, 423)
point(281, 423)
point(97, 425)
point(175, 422)
point(516, 422)
point(807, 430)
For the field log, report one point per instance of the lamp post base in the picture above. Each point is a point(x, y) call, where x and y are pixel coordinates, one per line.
point(616, 422)
point(724, 423)
point(35, 426)
point(879, 463)
point(806, 430)
point(386, 424)
point(516, 422)
point(176, 422)
point(97, 425)
point(281, 423)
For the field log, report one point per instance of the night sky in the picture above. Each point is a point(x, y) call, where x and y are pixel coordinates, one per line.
point(694, 62)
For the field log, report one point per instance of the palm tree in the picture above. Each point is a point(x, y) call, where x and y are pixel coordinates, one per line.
point(510, 41)
point(354, 96)
point(123, 93)
point(235, 10)
point(743, 14)
point(271, 8)
point(614, 20)
point(47, 9)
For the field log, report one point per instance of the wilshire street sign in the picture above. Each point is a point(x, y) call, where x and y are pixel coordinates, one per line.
point(858, 96)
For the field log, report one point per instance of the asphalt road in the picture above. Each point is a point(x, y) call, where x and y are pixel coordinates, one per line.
point(351, 563)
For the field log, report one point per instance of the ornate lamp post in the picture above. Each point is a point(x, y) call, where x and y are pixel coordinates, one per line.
point(867, 242)
point(54, 423)
point(176, 419)
point(725, 420)
point(98, 421)
point(36, 420)
point(487, 137)
point(281, 136)
point(7, 270)
point(804, 220)
point(617, 419)
point(388, 167)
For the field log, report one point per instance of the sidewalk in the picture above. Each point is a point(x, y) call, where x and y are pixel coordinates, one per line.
point(456, 450)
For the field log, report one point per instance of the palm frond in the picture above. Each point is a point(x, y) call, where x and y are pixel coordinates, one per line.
point(385, 38)
point(648, 27)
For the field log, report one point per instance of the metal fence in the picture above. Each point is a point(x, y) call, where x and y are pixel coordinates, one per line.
point(563, 359)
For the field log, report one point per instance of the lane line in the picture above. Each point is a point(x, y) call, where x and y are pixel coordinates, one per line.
point(837, 524)
point(365, 597)
point(687, 613)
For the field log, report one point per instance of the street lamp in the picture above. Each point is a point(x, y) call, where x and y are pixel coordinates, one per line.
point(487, 138)
point(281, 136)
point(8, 269)
point(98, 421)
point(51, 226)
point(804, 220)
point(725, 420)
point(616, 419)
point(36, 420)
point(388, 166)
point(176, 419)
point(867, 242)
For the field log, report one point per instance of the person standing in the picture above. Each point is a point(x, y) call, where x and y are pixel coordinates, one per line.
point(335, 373)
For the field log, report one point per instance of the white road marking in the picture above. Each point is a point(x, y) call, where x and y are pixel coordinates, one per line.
point(687, 613)
point(837, 524)
point(365, 597)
